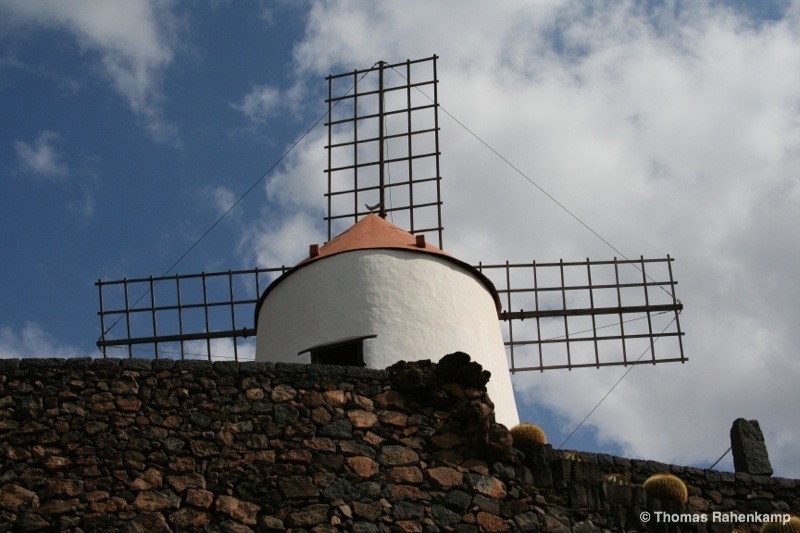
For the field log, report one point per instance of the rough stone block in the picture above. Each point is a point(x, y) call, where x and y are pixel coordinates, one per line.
point(561, 472)
point(617, 494)
point(136, 364)
point(543, 477)
point(78, 362)
point(252, 367)
point(226, 368)
point(8, 366)
point(748, 447)
point(290, 369)
point(577, 495)
point(44, 362)
point(585, 472)
point(540, 455)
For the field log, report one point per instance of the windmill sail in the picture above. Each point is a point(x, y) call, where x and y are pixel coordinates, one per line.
point(181, 316)
point(383, 156)
point(588, 313)
point(383, 147)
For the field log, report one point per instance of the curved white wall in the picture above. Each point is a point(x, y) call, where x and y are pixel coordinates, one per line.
point(420, 307)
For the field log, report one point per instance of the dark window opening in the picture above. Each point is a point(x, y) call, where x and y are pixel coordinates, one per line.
point(349, 352)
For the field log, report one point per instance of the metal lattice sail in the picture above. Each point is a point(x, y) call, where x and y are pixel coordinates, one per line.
point(383, 157)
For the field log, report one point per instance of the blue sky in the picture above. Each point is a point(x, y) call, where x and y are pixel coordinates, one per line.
point(670, 127)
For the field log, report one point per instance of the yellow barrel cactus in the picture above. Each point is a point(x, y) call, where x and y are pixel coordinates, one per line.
point(666, 487)
point(525, 435)
point(792, 526)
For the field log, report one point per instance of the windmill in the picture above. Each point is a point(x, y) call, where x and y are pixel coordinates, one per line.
point(383, 161)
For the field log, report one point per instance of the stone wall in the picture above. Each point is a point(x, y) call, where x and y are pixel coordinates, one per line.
point(137, 445)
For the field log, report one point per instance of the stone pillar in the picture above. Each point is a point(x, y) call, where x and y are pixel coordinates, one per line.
point(748, 447)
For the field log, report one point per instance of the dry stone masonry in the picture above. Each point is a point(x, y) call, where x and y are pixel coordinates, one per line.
point(748, 447)
point(158, 446)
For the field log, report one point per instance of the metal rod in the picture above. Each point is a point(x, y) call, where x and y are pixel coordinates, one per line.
point(538, 320)
point(560, 340)
point(436, 137)
point(244, 333)
point(388, 186)
point(586, 287)
point(649, 318)
point(192, 276)
point(174, 307)
point(102, 317)
point(566, 320)
point(386, 90)
point(619, 303)
point(381, 118)
point(591, 365)
point(377, 163)
point(377, 115)
point(409, 148)
point(510, 324)
point(675, 301)
point(355, 148)
point(180, 314)
point(233, 318)
point(205, 302)
point(362, 212)
point(365, 140)
point(127, 314)
point(590, 311)
point(581, 263)
point(594, 315)
point(330, 161)
point(335, 76)
point(153, 308)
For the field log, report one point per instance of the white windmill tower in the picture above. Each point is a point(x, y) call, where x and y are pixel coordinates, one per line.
point(377, 294)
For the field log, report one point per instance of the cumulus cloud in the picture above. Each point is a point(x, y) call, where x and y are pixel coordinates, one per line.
point(46, 163)
point(276, 241)
point(221, 197)
point(33, 341)
point(221, 350)
point(42, 159)
point(667, 130)
point(134, 43)
point(259, 104)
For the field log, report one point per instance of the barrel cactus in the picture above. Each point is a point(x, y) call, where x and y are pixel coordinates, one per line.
point(792, 526)
point(666, 487)
point(525, 435)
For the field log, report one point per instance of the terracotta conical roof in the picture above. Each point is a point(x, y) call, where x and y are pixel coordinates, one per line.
point(369, 233)
point(375, 233)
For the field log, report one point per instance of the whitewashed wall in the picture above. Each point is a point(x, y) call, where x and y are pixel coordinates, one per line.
point(420, 307)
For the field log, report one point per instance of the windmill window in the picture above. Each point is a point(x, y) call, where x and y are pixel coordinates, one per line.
point(347, 352)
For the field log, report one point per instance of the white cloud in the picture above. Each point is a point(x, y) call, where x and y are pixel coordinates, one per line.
point(33, 341)
point(83, 203)
point(41, 158)
point(221, 197)
point(221, 350)
point(280, 241)
point(46, 164)
point(135, 42)
point(674, 131)
point(259, 104)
